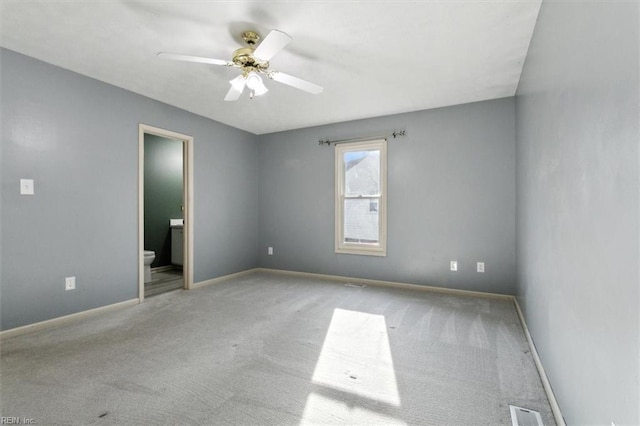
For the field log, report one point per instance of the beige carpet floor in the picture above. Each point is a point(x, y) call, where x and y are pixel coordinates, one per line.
point(268, 349)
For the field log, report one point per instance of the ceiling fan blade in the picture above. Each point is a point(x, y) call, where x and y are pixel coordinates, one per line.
point(200, 59)
point(237, 87)
point(274, 42)
point(296, 82)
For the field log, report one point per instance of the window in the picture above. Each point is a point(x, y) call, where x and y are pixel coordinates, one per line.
point(361, 185)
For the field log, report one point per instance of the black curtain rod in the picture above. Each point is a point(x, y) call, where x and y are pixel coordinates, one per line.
point(395, 134)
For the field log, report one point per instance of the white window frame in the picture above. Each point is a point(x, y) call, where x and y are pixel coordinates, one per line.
point(370, 249)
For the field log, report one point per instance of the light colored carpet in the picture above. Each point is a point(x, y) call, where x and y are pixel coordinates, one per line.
point(267, 349)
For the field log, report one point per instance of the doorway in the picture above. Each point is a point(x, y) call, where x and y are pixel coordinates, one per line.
point(165, 231)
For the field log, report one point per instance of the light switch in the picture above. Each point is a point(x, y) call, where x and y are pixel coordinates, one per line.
point(26, 187)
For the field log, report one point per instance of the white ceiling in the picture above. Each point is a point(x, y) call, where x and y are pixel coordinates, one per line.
point(373, 58)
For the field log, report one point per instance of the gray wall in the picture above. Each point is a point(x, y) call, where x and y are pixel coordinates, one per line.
point(577, 156)
point(451, 196)
point(162, 194)
point(78, 138)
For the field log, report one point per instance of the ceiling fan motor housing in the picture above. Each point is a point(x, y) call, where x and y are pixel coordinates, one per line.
point(244, 58)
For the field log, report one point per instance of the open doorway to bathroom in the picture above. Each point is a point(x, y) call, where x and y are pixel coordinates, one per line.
point(165, 211)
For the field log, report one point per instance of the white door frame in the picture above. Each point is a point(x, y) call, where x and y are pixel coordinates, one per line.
point(187, 190)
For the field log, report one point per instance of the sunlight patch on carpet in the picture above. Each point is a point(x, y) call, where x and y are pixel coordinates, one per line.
point(355, 362)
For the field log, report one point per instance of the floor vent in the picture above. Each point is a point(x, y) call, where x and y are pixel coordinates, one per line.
point(524, 417)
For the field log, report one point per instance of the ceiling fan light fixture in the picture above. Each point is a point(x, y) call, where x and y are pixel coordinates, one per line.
point(255, 84)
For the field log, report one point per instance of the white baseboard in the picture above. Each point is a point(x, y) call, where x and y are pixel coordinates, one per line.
point(391, 284)
point(223, 278)
point(54, 322)
point(555, 408)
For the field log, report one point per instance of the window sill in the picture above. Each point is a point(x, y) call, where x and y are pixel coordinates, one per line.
point(378, 251)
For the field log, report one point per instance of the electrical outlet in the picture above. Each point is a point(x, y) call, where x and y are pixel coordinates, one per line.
point(454, 265)
point(70, 283)
point(26, 187)
point(270, 251)
point(480, 267)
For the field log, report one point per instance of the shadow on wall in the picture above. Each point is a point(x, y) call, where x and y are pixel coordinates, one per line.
point(163, 187)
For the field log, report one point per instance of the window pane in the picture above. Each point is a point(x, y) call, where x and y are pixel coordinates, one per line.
point(362, 172)
point(360, 221)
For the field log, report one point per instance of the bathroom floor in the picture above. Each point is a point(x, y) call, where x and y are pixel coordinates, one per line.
point(163, 281)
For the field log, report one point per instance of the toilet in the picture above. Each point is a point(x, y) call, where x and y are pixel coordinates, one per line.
point(149, 257)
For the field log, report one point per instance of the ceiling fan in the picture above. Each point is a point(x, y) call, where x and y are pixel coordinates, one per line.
point(253, 61)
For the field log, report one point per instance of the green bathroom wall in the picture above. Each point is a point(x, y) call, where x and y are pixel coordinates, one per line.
point(162, 194)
